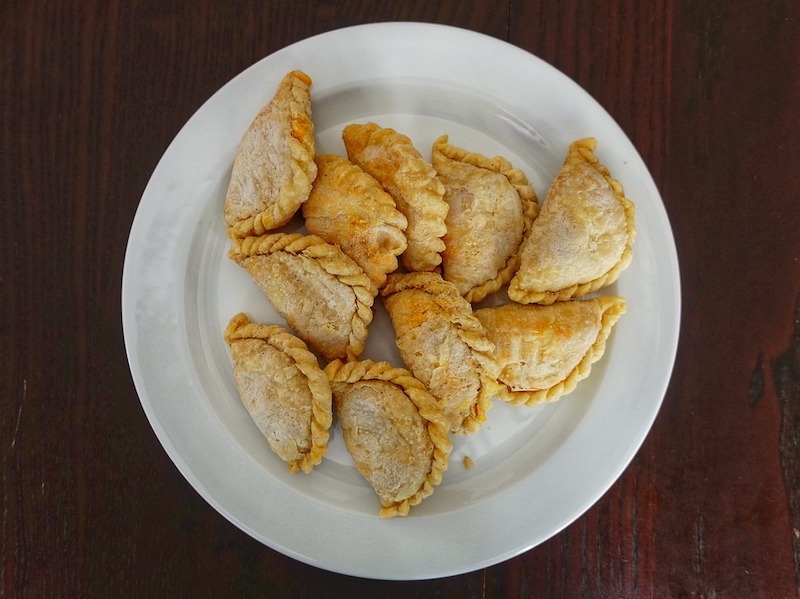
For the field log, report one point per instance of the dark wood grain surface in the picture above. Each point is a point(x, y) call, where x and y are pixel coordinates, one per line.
point(91, 94)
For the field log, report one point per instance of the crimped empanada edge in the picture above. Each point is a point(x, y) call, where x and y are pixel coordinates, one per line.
point(241, 327)
point(295, 190)
point(333, 261)
point(365, 370)
point(613, 307)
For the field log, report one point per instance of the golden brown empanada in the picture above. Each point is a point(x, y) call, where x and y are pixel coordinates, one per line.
point(283, 389)
point(583, 236)
point(349, 208)
point(543, 351)
point(393, 429)
point(322, 293)
point(492, 206)
point(274, 164)
point(444, 345)
point(398, 166)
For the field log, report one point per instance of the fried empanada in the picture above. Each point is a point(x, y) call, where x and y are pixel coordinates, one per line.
point(274, 164)
point(492, 206)
point(321, 293)
point(544, 351)
point(398, 166)
point(283, 389)
point(349, 208)
point(583, 236)
point(444, 345)
point(393, 429)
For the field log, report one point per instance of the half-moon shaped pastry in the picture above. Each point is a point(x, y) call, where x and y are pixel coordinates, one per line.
point(583, 236)
point(443, 345)
point(320, 292)
point(398, 166)
point(274, 164)
point(544, 351)
point(492, 206)
point(283, 389)
point(393, 429)
point(349, 208)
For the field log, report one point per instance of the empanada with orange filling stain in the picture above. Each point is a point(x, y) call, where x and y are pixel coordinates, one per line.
point(443, 345)
point(543, 351)
point(393, 429)
point(398, 166)
point(349, 208)
point(321, 293)
point(491, 207)
point(583, 236)
point(274, 164)
point(283, 389)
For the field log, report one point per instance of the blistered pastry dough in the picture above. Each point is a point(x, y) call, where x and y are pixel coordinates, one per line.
point(349, 208)
point(393, 429)
point(491, 207)
point(274, 164)
point(283, 389)
point(583, 236)
point(321, 293)
point(398, 166)
point(544, 351)
point(444, 345)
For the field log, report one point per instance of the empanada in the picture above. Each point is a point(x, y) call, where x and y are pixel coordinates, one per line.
point(583, 236)
point(492, 206)
point(393, 429)
point(274, 164)
point(398, 166)
point(543, 351)
point(443, 345)
point(283, 389)
point(349, 208)
point(320, 292)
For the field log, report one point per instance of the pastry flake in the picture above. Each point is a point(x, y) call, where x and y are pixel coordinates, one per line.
point(543, 351)
point(274, 164)
point(320, 292)
point(491, 207)
point(349, 208)
point(443, 345)
point(397, 165)
point(583, 236)
point(283, 389)
point(393, 429)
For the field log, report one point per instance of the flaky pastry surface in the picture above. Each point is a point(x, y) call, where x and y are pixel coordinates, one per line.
point(393, 429)
point(349, 208)
point(320, 292)
point(443, 345)
point(283, 389)
point(274, 164)
point(391, 158)
point(491, 207)
point(543, 351)
point(583, 236)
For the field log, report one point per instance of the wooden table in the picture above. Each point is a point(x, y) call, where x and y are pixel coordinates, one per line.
point(92, 92)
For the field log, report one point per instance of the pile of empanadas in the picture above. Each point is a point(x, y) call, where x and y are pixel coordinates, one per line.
point(428, 240)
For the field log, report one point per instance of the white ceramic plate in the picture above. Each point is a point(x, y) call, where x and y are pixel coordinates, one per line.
point(536, 470)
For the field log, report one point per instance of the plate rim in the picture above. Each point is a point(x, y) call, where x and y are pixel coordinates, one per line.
point(131, 334)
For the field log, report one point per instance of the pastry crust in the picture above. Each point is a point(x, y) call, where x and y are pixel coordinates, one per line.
point(398, 166)
point(544, 351)
point(491, 208)
point(274, 164)
point(443, 345)
point(349, 208)
point(283, 389)
point(320, 292)
point(583, 236)
point(393, 429)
